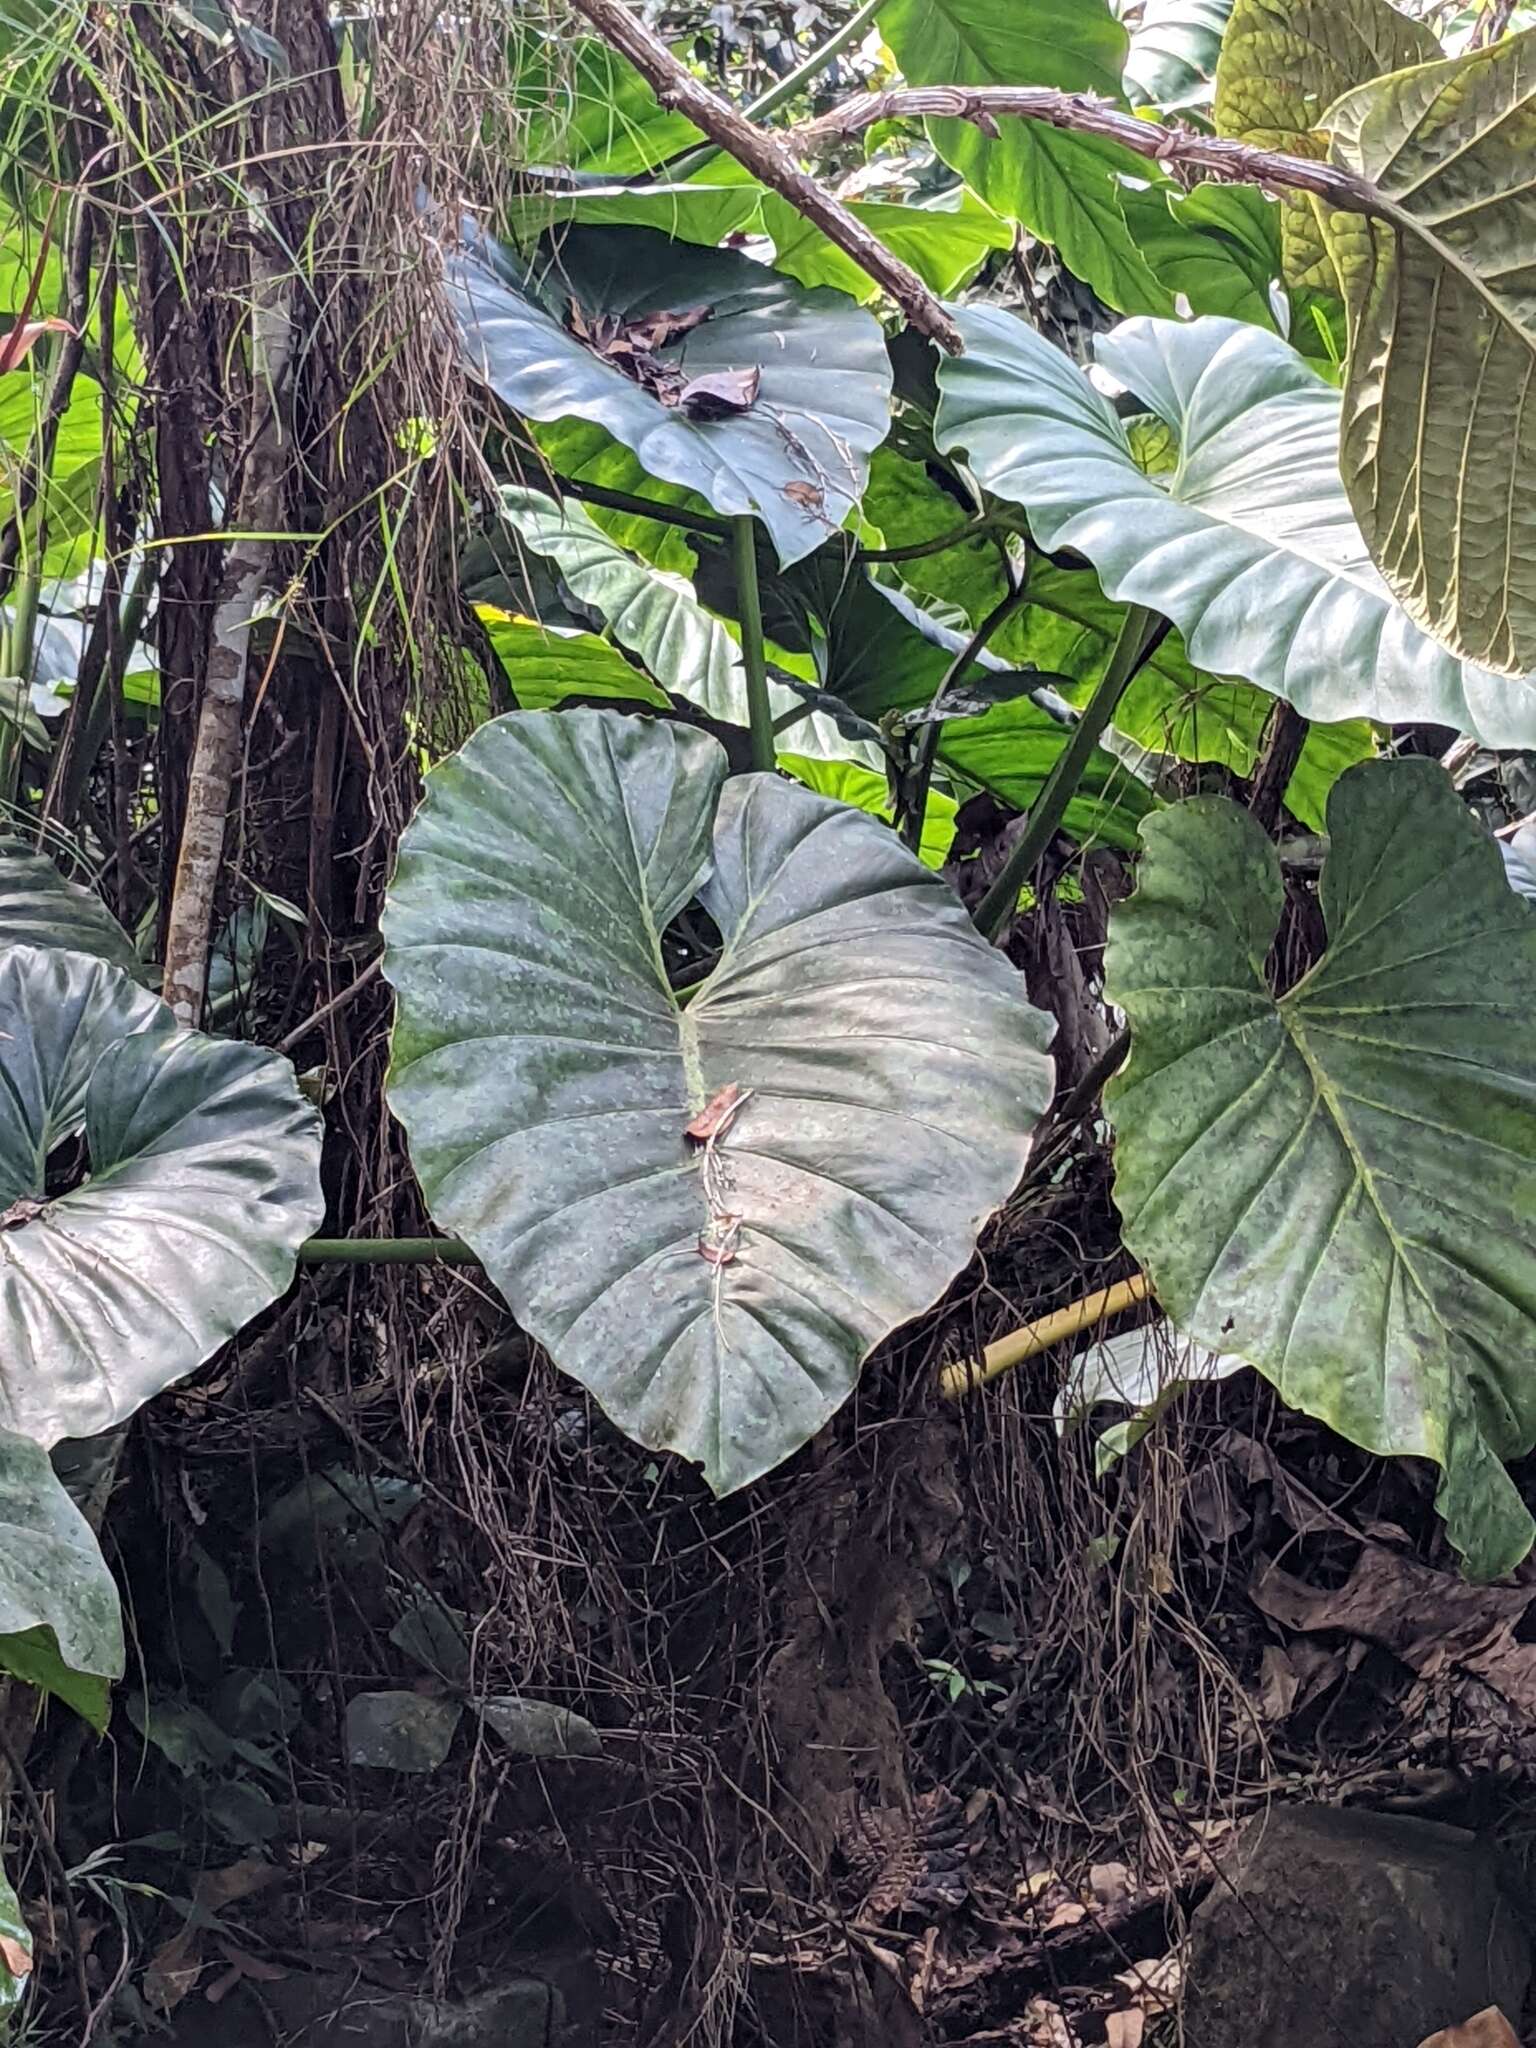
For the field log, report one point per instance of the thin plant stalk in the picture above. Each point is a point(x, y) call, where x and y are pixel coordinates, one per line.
point(1140, 633)
point(754, 658)
point(915, 797)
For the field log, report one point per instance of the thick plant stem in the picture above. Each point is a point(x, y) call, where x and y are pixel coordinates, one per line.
point(1140, 633)
point(785, 89)
point(958, 1380)
point(769, 161)
point(1216, 156)
point(754, 656)
point(247, 566)
point(706, 523)
point(387, 1251)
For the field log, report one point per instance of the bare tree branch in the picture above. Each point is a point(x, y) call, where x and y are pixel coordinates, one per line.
point(766, 157)
point(1218, 156)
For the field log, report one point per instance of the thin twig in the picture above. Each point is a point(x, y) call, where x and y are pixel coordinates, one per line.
point(769, 161)
point(1217, 156)
point(337, 1002)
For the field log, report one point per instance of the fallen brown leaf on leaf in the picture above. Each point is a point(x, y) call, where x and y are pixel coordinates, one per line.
point(720, 394)
point(1068, 1915)
point(1486, 2029)
point(15, 1956)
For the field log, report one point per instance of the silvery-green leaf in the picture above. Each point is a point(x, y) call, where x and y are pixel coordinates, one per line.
point(717, 1298)
point(60, 1621)
point(1249, 546)
point(400, 1731)
point(204, 1181)
point(39, 908)
point(536, 1728)
point(1143, 1370)
point(657, 616)
point(797, 458)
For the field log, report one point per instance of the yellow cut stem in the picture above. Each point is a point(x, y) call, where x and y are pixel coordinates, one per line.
point(1012, 1350)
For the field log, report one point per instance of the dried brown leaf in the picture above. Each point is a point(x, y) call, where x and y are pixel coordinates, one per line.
point(720, 394)
point(1125, 2029)
point(1486, 2029)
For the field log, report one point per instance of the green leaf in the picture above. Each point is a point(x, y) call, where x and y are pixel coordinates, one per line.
point(717, 1302)
point(578, 105)
point(1061, 186)
point(868, 791)
point(39, 908)
point(946, 244)
point(683, 213)
point(1218, 247)
point(657, 617)
point(15, 1949)
point(1439, 436)
point(1250, 547)
point(204, 1181)
point(537, 1728)
point(60, 1623)
point(545, 668)
point(400, 1731)
point(1340, 1186)
point(1173, 54)
point(1283, 64)
point(797, 457)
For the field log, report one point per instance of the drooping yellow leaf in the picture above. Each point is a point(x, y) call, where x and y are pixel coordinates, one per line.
point(1438, 443)
point(1283, 64)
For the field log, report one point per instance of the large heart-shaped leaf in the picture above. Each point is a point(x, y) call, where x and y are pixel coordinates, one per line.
point(657, 616)
point(60, 1622)
point(1341, 1186)
point(1283, 64)
point(546, 668)
point(1439, 440)
point(1249, 546)
point(717, 1297)
point(1062, 186)
point(946, 242)
point(797, 456)
point(204, 1181)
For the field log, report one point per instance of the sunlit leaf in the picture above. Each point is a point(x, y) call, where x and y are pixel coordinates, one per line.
point(1283, 64)
point(1439, 437)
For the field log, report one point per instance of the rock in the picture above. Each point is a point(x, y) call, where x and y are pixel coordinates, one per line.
point(1350, 1929)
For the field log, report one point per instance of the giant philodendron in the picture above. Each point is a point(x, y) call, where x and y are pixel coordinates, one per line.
point(717, 1294)
point(203, 1181)
point(1340, 1185)
point(796, 456)
point(1249, 545)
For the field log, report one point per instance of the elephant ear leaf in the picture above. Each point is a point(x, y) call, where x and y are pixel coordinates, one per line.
point(707, 1213)
point(1283, 64)
point(617, 328)
point(1249, 544)
point(203, 1182)
point(1339, 1185)
point(1439, 430)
